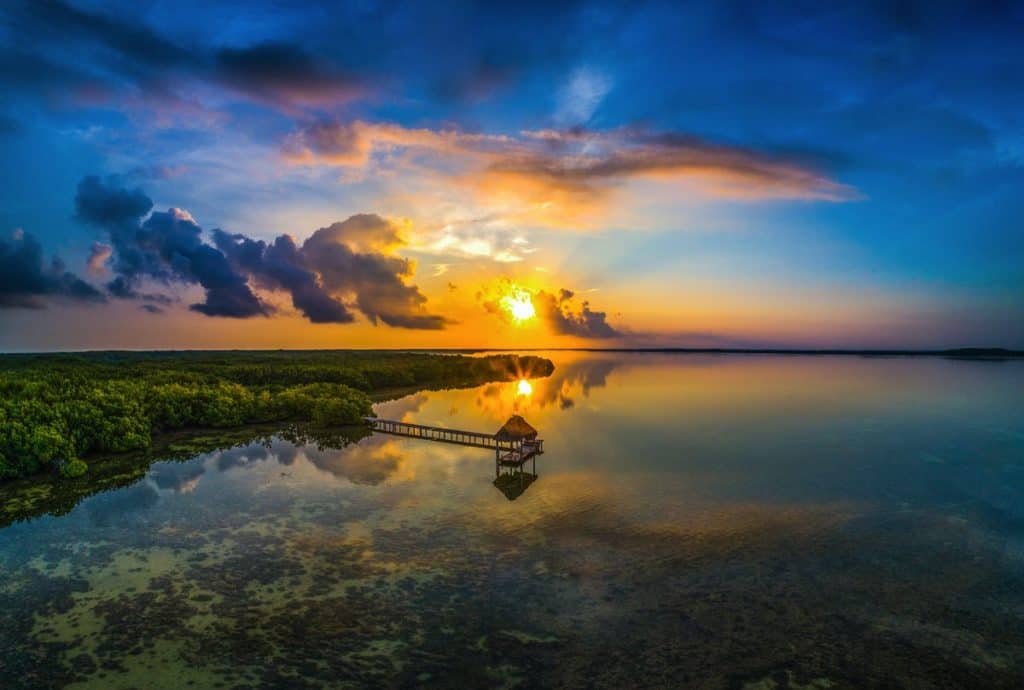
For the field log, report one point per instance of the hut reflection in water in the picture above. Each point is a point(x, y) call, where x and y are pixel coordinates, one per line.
point(514, 481)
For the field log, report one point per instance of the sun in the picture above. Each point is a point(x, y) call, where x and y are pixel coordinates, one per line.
point(519, 305)
point(523, 387)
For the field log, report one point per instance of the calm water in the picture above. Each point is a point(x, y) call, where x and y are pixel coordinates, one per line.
point(708, 521)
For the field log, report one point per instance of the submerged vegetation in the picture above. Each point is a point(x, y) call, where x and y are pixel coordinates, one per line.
point(57, 409)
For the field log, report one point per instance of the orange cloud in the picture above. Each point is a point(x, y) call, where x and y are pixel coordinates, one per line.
point(562, 177)
point(354, 144)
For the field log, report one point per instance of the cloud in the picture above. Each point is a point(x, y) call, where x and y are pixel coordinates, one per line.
point(166, 247)
point(582, 164)
point(472, 240)
point(374, 278)
point(564, 319)
point(281, 266)
point(141, 44)
point(96, 264)
point(557, 310)
point(312, 53)
point(175, 239)
point(343, 267)
point(561, 177)
point(284, 72)
point(355, 143)
point(106, 205)
point(121, 59)
point(120, 288)
point(26, 280)
point(578, 100)
point(70, 54)
point(347, 258)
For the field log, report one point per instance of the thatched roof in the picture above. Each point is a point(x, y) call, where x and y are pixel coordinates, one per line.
point(515, 429)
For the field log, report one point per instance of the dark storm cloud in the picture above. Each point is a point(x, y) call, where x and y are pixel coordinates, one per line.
point(564, 319)
point(283, 71)
point(345, 258)
point(106, 205)
point(374, 277)
point(348, 259)
point(321, 56)
point(122, 55)
point(119, 212)
point(26, 280)
point(176, 239)
point(121, 289)
point(280, 265)
point(167, 247)
point(68, 55)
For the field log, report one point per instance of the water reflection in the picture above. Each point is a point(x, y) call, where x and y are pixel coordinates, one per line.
point(727, 521)
point(178, 478)
point(512, 482)
point(371, 462)
point(240, 457)
point(573, 379)
point(122, 506)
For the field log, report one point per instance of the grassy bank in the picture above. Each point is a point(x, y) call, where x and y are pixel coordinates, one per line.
point(57, 410)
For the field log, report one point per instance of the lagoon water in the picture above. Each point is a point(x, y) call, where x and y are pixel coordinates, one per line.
point(719, 521)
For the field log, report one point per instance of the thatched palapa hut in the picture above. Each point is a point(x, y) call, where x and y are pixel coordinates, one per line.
point(516, 429)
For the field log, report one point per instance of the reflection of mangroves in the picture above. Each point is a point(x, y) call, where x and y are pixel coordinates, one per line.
point(24, 499)
point(58, 408)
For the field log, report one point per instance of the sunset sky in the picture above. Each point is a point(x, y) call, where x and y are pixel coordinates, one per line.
point(434, 174)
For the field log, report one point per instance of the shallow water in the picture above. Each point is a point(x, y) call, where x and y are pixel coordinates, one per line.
point(697, 520)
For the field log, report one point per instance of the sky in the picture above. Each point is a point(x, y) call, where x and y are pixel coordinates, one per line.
point(556, 174)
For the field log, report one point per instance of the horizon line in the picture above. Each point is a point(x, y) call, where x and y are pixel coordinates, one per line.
point(967, 352)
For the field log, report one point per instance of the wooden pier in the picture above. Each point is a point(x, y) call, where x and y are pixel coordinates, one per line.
point(510, 449)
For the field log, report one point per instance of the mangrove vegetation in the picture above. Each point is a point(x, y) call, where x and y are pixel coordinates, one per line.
point(57, 410)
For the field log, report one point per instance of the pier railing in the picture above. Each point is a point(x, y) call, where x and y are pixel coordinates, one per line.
point(507, 452)
point(436, 433)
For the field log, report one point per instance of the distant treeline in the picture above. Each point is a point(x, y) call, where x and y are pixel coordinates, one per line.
point(56, 409)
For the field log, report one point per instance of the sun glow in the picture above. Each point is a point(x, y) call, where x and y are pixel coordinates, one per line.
point(524, 387)
point(519, 305)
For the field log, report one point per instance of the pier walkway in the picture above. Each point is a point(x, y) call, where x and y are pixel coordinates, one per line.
point(508, 451)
